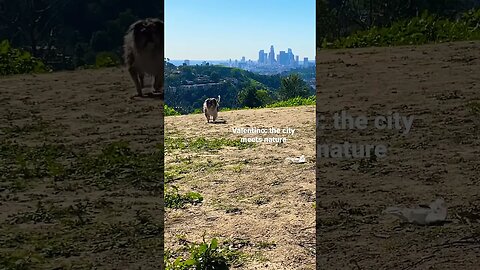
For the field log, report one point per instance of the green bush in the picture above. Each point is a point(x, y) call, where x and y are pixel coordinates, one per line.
point(169, 111)
point(427, 28)
point(106, 59)
point(17, 61)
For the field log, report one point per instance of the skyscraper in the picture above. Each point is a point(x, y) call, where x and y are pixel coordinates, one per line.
point(261, 57)
point(305, 62)
point(283, 58)
point(271, 55)
point(291, 58)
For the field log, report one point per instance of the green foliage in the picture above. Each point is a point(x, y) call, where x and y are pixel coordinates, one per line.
point(293, 86)
point(16, 61)
point(294, 102)
point(173, 199)
point(249, 97)
point(169, 111)
point(423, 29)
point(339, 19)
point(106, 59)
point(203, 256)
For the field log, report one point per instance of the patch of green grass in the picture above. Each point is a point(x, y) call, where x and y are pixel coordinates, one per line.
point(203, 144)
point(237, 168)
point(117, 164)
point(174, 199)
point(294, 102)
point(178, 170)
point(76, 214)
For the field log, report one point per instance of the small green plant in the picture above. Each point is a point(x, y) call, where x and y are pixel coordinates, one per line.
point(204, 256)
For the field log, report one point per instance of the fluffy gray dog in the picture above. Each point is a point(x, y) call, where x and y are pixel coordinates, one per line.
point(210, 108)
point(144, 53)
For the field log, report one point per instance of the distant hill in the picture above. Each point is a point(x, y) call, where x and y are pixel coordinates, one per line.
point(187, 87)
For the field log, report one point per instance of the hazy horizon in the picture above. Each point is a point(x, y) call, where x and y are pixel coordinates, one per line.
point(221, 30)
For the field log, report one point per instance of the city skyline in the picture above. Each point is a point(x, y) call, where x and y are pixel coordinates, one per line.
point(267, 63)
point(218, 30)
point(289, 51)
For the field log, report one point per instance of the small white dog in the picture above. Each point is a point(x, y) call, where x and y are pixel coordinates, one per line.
point(210, 108)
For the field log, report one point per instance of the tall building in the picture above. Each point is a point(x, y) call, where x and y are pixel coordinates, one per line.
point(271, 55)
point(186, 63)
point(243, 59)
point(296, 60)
point(305, 62)
point(261, 57)
point(283, 58)
point(291, 57)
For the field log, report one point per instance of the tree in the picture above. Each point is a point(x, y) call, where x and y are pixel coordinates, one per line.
point(264, 97)
point(214, 76)
point(293, 86)
point(248, 97)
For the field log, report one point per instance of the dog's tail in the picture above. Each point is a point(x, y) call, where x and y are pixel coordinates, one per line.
point(218, 99)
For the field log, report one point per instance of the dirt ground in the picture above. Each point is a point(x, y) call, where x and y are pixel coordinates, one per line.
point(440, 86)
point(55, 216)
point(252, 197)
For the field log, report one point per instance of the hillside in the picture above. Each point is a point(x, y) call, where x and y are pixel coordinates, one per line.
point(254, 200)
point(440, 86)
point(187, 87)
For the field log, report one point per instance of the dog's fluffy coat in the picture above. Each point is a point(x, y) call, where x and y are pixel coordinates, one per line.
point(144, 53)
point(210, 108)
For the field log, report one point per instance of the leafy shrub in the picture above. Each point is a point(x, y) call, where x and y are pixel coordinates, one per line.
point(169, 111)
point(106, 59)
point(17, 61)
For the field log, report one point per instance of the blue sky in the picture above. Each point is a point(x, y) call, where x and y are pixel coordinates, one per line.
point(223, 29)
